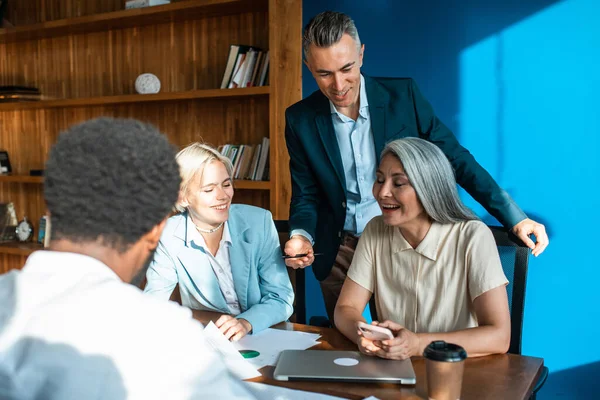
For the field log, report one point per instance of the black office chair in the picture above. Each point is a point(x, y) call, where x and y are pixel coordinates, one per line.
point(514, 256)
point(297, 277)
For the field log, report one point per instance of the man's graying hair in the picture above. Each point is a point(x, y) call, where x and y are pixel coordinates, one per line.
point(432, 177)
point(327, 28)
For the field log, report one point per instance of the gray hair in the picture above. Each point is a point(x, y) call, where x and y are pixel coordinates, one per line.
point(327, 28)
point(432, 177)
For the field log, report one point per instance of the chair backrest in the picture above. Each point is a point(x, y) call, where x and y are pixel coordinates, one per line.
point(514, 256)
point(297, 276)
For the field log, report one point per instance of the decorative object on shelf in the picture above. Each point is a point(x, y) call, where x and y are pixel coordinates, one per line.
point(144, 3)
point(8, 222)
point(24, 230)
point(147, 84)
point(19, 93)
point(42, 230)
point(5, 168)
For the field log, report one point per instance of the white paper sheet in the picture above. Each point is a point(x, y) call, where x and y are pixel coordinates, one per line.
point(237, 364)
point(263, 391)
point(271, 342)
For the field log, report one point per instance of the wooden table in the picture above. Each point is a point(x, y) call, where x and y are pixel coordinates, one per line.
point(505, 376)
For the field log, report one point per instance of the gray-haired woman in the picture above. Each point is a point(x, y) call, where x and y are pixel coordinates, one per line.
point(432, 266)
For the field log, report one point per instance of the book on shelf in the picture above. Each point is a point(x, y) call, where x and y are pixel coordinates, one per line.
point(19, 93)
point(245, 67)
point(262, 168)
point(248, 161)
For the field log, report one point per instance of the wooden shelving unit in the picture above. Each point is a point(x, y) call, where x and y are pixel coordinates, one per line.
point(85, 56)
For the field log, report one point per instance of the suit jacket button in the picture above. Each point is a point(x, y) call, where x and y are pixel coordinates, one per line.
point(340, 234)
point(343, 204)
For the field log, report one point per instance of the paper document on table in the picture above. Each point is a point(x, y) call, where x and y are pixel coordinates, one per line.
point(264, 391)
point(268, 344)
point(232, 358)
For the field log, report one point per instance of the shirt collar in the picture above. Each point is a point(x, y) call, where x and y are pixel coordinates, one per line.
point(198, 239)
point(71, 263)
point(429, 245)
point(364, 103)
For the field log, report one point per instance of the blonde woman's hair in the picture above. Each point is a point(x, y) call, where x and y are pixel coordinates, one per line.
point(192, 160)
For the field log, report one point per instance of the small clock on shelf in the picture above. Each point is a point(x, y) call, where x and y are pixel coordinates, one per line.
point(24, 230)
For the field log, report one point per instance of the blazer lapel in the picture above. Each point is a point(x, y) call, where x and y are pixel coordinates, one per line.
point(240, 255)
point(327, 135)
point(201, 274)
point(378, 99)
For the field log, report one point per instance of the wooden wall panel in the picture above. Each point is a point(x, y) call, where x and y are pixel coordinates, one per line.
point(184, 56)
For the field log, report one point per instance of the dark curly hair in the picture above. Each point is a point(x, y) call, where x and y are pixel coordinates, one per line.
point(110, 181)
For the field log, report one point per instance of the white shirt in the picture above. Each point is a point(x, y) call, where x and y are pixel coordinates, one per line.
point(220, 264)
point(71, 329)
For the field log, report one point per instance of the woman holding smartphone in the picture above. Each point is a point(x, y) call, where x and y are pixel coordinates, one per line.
point(225, 257)
point(432, 266)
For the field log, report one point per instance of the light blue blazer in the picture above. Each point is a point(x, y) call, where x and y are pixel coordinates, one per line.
point(259, 273)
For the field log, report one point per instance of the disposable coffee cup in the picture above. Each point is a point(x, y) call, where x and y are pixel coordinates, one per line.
point(444, 363)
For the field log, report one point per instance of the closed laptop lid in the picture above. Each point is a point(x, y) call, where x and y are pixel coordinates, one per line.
point(349, 366)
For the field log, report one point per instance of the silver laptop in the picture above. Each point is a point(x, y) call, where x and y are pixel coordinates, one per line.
point(346, 366)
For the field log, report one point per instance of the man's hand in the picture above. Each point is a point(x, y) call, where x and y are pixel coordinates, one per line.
point(527, 227)
point(233, 328)
point(298, 244)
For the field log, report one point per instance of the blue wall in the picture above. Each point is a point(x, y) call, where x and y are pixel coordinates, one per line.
point(518, 83)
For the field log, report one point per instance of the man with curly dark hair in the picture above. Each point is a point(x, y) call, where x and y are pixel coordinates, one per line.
point(75, 329)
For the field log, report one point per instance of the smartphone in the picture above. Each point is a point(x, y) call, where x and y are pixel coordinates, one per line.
point(374, 332)
point(285, 256)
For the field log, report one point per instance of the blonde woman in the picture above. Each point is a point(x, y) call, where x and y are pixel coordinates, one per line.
point(225, 257)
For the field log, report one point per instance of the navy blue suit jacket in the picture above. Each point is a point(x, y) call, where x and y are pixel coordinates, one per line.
point(397, 110)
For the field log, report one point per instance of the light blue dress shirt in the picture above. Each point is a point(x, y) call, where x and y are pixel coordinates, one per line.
point(355, 139)
point(357, 148)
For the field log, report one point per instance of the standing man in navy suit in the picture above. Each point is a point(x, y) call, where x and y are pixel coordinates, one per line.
point(334, 138)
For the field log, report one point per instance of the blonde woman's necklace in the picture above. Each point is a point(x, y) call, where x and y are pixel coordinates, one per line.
point(213, 230)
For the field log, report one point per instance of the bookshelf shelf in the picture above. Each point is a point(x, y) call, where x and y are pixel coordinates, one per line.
point(179, 11)
point(136, 98)
point(19, 249)
point(21, 179)
point(256, 185)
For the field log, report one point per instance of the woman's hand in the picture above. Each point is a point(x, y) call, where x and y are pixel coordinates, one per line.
point(233, 328)
point(366, 346)
point(405, 343)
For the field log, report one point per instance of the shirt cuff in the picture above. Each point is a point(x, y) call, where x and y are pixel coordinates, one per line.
point(302, 232)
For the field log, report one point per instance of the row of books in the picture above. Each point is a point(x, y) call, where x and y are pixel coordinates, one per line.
point(249, 161)
point(246, 66)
